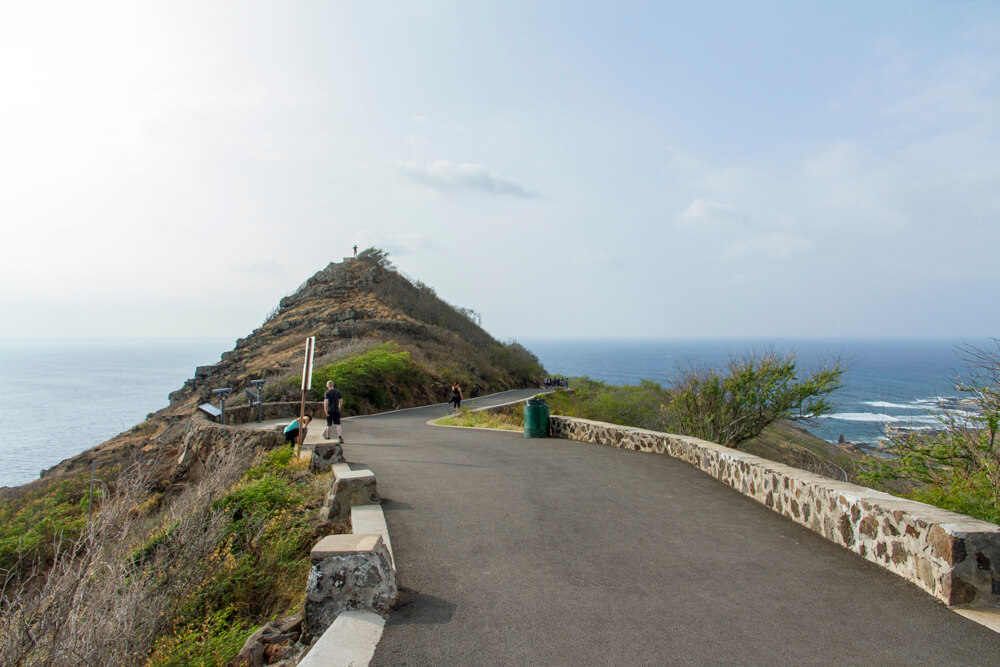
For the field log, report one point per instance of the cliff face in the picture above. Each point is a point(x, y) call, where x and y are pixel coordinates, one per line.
point(349, 307)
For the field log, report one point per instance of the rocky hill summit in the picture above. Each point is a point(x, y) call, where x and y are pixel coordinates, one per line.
point(351, 307)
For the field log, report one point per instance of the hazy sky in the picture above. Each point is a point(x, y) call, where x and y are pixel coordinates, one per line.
point(665, 169)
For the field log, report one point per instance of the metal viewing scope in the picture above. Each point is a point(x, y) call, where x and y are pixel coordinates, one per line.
point(257, 397)
point(222, 393)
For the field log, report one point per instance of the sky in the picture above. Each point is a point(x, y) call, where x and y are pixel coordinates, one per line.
point(566, 169)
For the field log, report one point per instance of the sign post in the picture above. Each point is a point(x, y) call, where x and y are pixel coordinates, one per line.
point(307, 371)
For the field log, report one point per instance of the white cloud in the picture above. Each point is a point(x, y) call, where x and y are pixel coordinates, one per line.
point(709, 215)
point(444, 175)
point(767, 247)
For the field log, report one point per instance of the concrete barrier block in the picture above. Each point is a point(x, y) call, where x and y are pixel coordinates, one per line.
point(349, 572)
point(351, 488)
point(325, 455)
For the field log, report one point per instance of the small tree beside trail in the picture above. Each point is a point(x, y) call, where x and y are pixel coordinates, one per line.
point(956, 467)
point(735, 404)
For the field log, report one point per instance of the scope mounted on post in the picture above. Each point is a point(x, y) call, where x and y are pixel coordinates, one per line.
point(222, 393)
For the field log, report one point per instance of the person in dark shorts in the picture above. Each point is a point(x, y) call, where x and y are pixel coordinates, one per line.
point(333, 402)
point(456, 396)
point(292, 430)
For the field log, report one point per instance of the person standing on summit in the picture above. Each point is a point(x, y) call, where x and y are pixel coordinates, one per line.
point(333, 402)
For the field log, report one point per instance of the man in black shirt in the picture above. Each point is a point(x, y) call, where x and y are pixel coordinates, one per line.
point(332, 404)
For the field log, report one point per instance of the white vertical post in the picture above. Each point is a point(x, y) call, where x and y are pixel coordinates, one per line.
point(307, 371)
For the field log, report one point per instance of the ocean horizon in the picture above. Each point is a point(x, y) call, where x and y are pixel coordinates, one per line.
point(61, 397)
point(906, 383)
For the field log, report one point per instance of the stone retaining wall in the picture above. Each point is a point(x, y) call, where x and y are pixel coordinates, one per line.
point(245, 414)
point(206, 441)
point(953, 557)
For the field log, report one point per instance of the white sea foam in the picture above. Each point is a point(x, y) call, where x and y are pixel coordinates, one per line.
point(901, 406)
point(874, 417)
point(939, 400)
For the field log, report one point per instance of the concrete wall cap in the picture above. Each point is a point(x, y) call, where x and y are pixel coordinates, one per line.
point(355, 474)
point(344, 545)
point(350, 640)
point(964, 528)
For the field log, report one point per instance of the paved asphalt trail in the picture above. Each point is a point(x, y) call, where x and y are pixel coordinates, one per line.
point(515, 551)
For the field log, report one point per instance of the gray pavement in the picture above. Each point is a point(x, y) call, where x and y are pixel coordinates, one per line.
point(515, 551)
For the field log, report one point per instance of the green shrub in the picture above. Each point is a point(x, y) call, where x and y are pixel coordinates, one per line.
point(639, 405)
point(372, 380)
point(516, 360)
point(257, 572)
point(735, 404)
point(29, 527)
point(213, 640)
point(957, 468)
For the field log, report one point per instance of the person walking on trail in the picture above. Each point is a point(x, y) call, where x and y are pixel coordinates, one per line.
point(333, 403)
point(355, 249)
point(456, 396)
point(292, 430)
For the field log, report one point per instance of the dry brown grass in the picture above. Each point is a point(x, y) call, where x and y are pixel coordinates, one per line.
point(107, 596)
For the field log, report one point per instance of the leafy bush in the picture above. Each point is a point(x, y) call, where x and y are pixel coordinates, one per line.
point(372, 380)
point(206, 641)
point(44, 516)
point(376, 256)
point(642, 405)
point(516, 360)
point(733, 405)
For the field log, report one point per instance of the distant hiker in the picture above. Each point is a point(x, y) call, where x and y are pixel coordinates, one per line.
point(333, 403)
point(456, 396)
point(292, 430)
point(355, 249)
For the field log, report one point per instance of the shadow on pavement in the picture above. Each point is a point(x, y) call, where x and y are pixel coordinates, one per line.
point(391, 505)
point(415, 608)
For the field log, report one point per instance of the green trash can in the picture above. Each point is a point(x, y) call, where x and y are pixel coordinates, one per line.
point(536, 418)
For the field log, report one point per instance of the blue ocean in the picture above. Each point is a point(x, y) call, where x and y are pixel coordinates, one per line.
point(58, 399)
point(905, 384)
